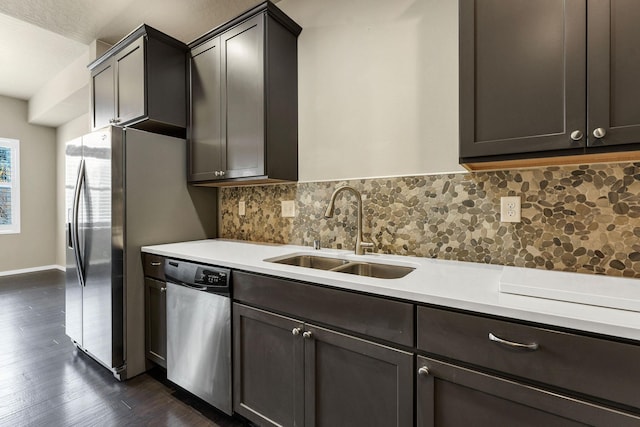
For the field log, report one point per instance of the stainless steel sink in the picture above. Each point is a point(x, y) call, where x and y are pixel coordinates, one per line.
point(312, 261)
point(380, 271)
point(359, 268)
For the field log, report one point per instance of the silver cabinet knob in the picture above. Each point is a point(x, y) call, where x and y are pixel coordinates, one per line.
point(576, 135)
point(296, 331)
point(307, 335)
point(163, 289)
point(599, 132)
point(424, 371)
point(217, 173)
point(222, 173)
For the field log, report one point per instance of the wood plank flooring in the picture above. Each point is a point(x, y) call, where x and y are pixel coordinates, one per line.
point(46, 381)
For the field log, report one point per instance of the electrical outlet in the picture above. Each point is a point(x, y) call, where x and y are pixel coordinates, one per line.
point(288, 208)
point(510, 209)
point(242, 209)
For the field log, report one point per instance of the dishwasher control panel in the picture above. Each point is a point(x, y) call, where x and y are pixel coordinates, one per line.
point(198, 276)
point(209, 276)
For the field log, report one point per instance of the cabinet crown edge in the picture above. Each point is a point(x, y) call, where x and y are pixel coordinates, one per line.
point(142, 30)
point(266, 7)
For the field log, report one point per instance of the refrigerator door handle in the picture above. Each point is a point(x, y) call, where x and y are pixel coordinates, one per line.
point(75, 233)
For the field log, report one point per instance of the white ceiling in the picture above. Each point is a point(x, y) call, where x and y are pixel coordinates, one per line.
point(30, 55)
point(39, 38)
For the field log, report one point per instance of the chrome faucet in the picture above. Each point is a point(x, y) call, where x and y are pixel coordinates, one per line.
point(360, 245)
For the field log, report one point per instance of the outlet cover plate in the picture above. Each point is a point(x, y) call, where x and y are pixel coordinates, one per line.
point(510, 209)
point(242, 208)
point(288, 208)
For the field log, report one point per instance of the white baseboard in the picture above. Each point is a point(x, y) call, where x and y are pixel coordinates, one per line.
point(32, 270)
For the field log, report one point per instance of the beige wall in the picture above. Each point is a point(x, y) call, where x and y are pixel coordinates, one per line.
point(378, 87)
point(64, 133)
point(378, 91)
point(35, 245)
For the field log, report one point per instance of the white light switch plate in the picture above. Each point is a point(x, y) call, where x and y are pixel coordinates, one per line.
point(242, 209)
point(288, 208)
point(510, 209)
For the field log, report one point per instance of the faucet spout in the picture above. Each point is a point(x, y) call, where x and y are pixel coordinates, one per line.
point(360, 244)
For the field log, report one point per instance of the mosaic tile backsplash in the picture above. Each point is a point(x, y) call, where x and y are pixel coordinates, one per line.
point(577, 218)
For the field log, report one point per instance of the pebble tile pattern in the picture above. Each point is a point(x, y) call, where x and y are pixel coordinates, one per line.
point(577, 218)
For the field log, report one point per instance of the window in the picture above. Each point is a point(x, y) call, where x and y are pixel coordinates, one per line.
point(9, 186)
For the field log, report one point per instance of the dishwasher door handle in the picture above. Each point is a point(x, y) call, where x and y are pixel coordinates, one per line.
point(187, 285)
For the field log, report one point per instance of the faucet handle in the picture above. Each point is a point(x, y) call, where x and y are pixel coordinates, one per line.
point(367, 246)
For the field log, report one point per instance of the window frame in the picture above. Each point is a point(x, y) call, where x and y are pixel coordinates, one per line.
point(14, 146)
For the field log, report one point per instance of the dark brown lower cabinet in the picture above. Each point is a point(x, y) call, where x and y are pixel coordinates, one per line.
point(268, 362)
point(156, 321)
point(450, 395)
point(291, 373)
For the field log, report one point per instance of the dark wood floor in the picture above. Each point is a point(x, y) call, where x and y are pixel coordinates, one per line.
point(45, 381)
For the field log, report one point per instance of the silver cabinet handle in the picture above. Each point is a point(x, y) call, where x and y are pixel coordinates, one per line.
point(576, 135)
point(296, 331)
point(531, 347)
point(222, 173)
point(307, 335)
point(424, 371)
point(163, 289)
point(156, 263)
point(599, 132)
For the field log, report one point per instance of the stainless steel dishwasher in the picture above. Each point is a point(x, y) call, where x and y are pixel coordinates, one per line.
point(199, 330)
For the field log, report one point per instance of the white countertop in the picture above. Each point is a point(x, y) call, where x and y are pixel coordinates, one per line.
point(461, 285)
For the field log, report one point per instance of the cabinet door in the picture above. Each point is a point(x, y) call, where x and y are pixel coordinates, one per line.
point(103, 96)
point(522, 76)
point(243, 98)
point(207, 152)
point(448, 395)
point(351, 382)
point(156, 323)
point(267, 367)
point(613, 70)
point(130, 83)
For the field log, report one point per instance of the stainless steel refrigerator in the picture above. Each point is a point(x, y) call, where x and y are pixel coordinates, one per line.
point(124, 189)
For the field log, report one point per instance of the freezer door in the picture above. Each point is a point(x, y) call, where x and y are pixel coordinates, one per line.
point(73, 289)
point(102, 299)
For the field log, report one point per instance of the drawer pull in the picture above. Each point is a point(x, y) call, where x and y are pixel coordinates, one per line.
point(156, 264)
point(531, 347)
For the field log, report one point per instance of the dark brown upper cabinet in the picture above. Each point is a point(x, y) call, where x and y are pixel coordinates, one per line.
point(140, 83)
point(243, 114)
point(548, 78)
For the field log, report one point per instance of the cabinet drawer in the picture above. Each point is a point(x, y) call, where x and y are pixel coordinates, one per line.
point(368, 315)
point(153, 266)
point(451, 395)
point(597, 367)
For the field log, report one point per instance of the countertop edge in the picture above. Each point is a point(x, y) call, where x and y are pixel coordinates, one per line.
point(482, 297)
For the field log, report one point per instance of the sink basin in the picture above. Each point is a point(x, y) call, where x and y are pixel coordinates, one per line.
point(380, 271)
point(339, 265)
point(312, 261)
